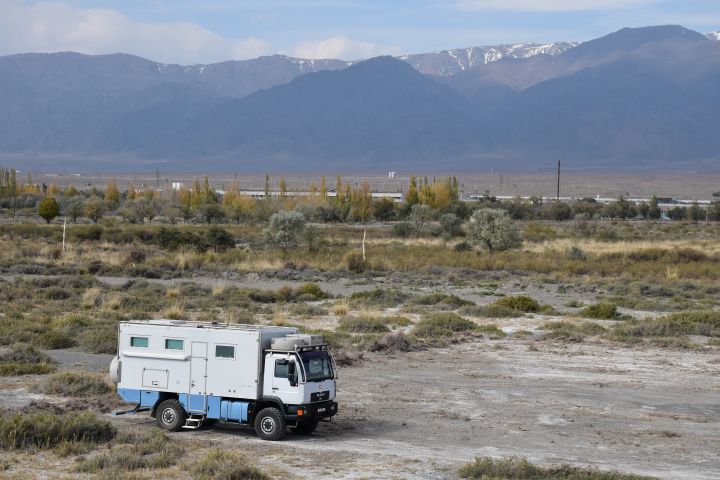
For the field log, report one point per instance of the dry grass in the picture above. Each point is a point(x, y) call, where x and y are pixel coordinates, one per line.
point(598, 247)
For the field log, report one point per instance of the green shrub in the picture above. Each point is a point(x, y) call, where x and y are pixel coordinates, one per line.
point(174, 239)
point(75, 384)
point(362, 325)
point(47, 430)
point(222, 465)
point(311, 289)
point(515, 468)
point(439, 325)
point(520, 303)
point(600, 311)
point(220, 239)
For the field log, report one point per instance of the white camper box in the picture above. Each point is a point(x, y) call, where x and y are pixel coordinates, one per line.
point(177, 356)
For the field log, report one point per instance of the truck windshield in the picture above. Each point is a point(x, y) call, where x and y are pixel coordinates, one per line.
point(318, 366)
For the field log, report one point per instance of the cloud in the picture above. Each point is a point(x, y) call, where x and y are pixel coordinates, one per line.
point(53, 27)
point(547, 5)
point(342, 47)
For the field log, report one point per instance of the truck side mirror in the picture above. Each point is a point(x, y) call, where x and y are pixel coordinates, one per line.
point(292, 374)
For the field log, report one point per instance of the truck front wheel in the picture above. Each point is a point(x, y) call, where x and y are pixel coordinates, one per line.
point(170, 415)
point(270, 424)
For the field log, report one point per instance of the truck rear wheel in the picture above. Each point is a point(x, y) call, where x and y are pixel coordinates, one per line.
point(305, 428)
point(170, 415)
point(270, 424)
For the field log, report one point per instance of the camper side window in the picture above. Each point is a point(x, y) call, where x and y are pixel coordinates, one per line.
point(224, 351)
point(174, 344)
point(139, 342)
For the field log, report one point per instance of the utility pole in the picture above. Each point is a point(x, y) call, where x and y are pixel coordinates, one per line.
point(557, 196)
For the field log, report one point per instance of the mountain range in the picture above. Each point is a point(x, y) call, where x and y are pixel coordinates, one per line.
point(639, 98)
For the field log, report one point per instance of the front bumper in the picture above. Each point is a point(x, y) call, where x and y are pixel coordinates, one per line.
point(317, 411)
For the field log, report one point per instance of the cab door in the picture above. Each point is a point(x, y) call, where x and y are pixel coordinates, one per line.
point(285, 383)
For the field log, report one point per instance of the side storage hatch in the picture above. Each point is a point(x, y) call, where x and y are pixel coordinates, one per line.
point(155, 378)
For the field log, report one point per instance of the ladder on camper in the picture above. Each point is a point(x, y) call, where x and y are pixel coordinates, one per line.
point(193, 421)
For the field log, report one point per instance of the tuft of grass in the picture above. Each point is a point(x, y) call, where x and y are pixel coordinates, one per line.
point(378, 297)
point(705, 323)
point(492, 331)
point(175, 312)
point(440, 325)
point(48, 430)
point(75, 384)
point(574, 304)
point(393, 342)
point(135, 450)
point(441, 299)
point(516, 468)
point(520, 303)
point(572, 331)
point(24, 359)
point(223, 465)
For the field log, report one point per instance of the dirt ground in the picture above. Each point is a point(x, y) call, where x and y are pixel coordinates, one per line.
point(423, 414)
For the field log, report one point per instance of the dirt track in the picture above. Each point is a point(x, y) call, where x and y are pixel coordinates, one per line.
point(423, 414)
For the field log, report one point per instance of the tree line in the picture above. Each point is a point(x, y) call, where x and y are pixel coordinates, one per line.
point(424, 201)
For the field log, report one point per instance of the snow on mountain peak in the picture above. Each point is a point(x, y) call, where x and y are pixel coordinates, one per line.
point(714, 35)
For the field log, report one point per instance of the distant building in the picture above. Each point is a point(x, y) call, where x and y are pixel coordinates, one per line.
point(177, 185)
point(391, 174)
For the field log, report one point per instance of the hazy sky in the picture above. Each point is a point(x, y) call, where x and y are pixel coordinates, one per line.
point(194, 31)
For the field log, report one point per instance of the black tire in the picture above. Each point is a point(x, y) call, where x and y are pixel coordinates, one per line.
point(170, 415)
point(270, 424)
point(305, 428)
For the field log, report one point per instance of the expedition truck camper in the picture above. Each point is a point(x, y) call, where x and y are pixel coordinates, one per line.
point(187, 373)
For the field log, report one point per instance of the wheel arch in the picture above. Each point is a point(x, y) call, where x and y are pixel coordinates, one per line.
point(161, 398)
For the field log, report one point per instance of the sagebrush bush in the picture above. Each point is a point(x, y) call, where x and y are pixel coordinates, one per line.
point(24, 359)
point(47, 430)
point(222, 465)
point(520, 303)
point(362, 325)
point(489, 311)
point(439, 325)
point(516, 468)
point(600, 311)
point(393, 342)
point(572, 331)
point(75, 384)
point(378, 297)
point(452, 301)
point(705, 323)
point(311, 289)
point(355, 262)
